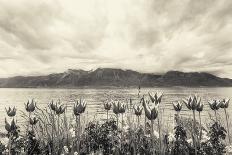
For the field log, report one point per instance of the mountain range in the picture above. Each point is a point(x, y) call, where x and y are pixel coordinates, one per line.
point(108, 77)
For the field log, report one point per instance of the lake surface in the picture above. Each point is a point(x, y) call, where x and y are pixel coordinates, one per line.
point(95, 97)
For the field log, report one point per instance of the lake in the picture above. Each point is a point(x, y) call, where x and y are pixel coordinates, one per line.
point(95, 97)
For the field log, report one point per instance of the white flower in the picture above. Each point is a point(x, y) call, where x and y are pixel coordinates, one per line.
point(72, 131)
point(5, 141)
point(156, 134)
point(171, 137)
point(126, 128)
point(204, 137)
point(190, 141)
point(66, 149)
point(75, 153)
point(229, 149)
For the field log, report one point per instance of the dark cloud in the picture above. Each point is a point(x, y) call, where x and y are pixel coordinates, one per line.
point(47, 36)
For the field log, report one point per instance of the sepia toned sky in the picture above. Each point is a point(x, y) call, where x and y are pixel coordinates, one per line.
point(155, 36)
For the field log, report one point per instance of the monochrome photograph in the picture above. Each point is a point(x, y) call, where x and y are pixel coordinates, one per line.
point(115, 77)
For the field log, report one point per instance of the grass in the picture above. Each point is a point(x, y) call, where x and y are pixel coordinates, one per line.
point(133, 128)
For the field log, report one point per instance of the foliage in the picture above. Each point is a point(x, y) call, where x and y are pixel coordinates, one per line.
point(215, 144)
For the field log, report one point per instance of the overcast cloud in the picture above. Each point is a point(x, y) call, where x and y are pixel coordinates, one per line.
point(47, 36)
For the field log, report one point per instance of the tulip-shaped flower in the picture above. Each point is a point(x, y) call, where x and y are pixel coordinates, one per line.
point(192, 103)
point(224, 105)
point(60, 109)
point(122, 110)
point(155, 97)
point(107, 106)
point(10, 128)
point(138, 109)
point(11, 112)
point(151, 113)
point(52, 105)
point(30, 106)
point(78, 109)
point(177, 107)
point(116, 109)
point(33, 121)
point(143, 102)
point(215, 105)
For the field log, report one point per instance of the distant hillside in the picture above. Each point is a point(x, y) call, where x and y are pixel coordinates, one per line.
point(114, 77)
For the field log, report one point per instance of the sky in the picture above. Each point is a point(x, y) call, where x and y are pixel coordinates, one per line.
point(151, 36)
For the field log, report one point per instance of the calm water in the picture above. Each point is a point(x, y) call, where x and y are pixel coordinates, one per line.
point(95, 97)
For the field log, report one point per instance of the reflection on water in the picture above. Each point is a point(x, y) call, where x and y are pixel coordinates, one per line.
point(95, 97)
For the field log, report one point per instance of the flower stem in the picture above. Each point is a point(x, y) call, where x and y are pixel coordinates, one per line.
point(138, 121)
point(9, 146)
point(160, 140)
point(200, 130)
point(79, 130)
point(194, 132)
point(152, 136)
point(107, 112)
point(227, 124)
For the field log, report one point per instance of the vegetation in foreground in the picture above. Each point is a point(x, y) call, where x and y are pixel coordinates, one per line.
point(52, 131)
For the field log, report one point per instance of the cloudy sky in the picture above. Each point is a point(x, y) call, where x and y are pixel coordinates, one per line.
point(47, 36)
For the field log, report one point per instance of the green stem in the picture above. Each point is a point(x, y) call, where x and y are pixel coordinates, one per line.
point(160, 136)
point(122, 121)
point(200, 130)
point(227, 124)
point(194, 132)
point(145, 120)
point(178, 118)
point(138, 121)
point(215, 113)
point(152, 136)
point(76, 132)
point(117, 120)
point(107, 112)
point(79, 134)
point(9, 147)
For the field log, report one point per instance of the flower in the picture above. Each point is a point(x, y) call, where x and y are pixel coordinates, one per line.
point(122, 108)
point(200, 107)
point(171, 137)
point(10, 127)
point(72, 131)
point(156, 134)
point(192, 102)
point(190, 141)
point(214, 104)
point(52, 106)
point(116, 107)
point(79, 107)
point(75, 153)
point(177, 106)
point(155, 98)
point(150, 112)
point(60, 109)
point(204, 137)
point(33, 120)
point(138, 110)
point(30, 107)
point(107, 105)
point(4, 141)
point(225, 103)
point(11, 112)
point(229, 149)
point(66, 149)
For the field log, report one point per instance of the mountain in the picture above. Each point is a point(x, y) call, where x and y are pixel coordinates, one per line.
point(103, 77)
